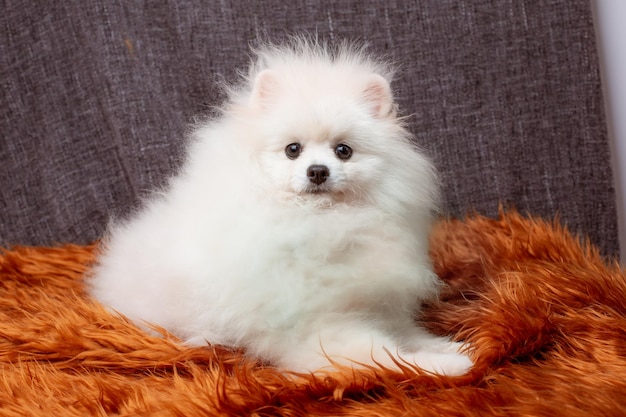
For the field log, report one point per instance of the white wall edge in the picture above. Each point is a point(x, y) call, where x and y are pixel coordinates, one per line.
point(610, 26)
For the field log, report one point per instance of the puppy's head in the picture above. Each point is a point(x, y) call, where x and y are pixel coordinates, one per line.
point(325, 130)
point(319, 137)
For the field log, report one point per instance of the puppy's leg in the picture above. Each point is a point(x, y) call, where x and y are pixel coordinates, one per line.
point(435, 353)
point(356, 344)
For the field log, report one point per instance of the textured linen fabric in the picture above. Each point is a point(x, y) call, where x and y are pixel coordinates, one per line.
point(97, 98)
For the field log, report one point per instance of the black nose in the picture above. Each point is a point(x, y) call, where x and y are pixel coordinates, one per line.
point(318, 173)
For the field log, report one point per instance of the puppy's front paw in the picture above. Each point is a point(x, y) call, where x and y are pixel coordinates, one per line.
point(449, 362)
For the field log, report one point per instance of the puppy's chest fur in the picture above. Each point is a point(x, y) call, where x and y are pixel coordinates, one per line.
point(297, 269)
point(348, 258)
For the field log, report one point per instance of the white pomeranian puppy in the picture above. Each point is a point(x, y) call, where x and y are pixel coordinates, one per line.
point(297, 228)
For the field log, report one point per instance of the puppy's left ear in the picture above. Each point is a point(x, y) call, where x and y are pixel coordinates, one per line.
point(378, 95)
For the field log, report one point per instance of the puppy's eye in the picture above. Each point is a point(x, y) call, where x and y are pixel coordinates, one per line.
point(343, 152)
point(293, 150)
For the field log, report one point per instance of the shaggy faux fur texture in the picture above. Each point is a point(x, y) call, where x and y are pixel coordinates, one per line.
point(545, 315)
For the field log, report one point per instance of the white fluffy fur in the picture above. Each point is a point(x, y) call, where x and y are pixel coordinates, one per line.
point(243, 250)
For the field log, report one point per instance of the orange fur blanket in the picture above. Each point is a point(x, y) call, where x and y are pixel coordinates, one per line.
point(545, 314)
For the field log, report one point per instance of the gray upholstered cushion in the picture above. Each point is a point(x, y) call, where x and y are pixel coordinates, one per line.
point(96, 98)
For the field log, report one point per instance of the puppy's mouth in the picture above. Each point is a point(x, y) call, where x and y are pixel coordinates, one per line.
point(317, 189)
point(322, 196)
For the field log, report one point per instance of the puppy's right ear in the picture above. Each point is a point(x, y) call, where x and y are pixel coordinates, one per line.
point(266, 87)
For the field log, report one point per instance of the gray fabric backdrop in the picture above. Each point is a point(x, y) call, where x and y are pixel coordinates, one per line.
point(96, 98)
